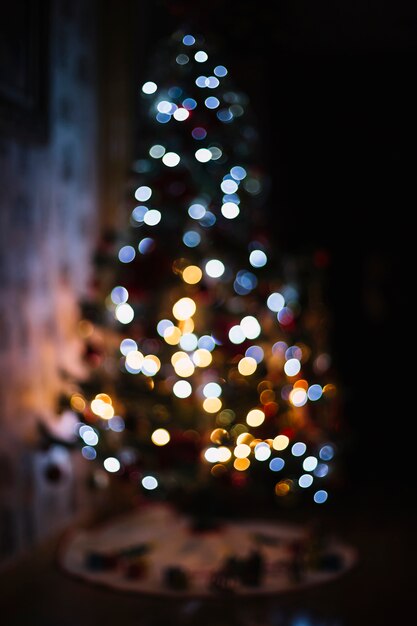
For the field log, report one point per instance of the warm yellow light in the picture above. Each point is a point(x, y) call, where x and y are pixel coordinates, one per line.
point(192, 274)
point(151, 365)
point(241, 451)
point(247, 366)
point(186, 326)
point(244, 438)
point(104, 397)
point(280, 442)
point(134, 359)
point(219, 435)
point(212, 405)
point(218, 470)
point(202, 357)
point(241, 464)
point(255, 417)
point(184, 308)
point(224, 454)
point(172, 335)
point(282, 488)
point(267, 396)
point(101, 408)
point(177, 356)
point(160, 437)
point(77, 402)
point(184, 367)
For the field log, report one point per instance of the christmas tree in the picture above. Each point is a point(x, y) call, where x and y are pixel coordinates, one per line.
point(208, 351)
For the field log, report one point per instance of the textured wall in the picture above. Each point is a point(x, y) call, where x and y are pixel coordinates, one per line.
point(47, 232)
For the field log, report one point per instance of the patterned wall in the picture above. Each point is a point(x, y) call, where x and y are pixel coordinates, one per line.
point(47, 231)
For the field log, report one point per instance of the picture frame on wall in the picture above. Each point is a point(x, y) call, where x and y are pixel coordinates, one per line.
point(24, 52)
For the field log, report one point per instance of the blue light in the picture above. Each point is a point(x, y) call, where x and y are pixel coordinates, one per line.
point(299, 448)
point(146, 245)
point(212, 102)
point(321, 470)
point(224, 115)
point(197, 211)
point(220, 71)
point(163, 118)
point(255, 352)
point(258, 258)
point(212, 82)
point(119, 295)
point(200, 81)
point(127, 254)
point(277, 464)
point(238, 173)
point(207, 343)
point(231, 197)
point(188, 40)
point(306, 480)
point(314, 392)
point(128, 345)
point(175, 92)
point(138, 213)
point(117, 424)
point(88, 453)
point(208, 220)
point(191, 238)
point(320, 496)
point(326, 453)
point(189, 104)
point(199, 133)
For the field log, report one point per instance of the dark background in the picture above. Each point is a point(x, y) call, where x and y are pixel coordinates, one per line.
point(332, 86)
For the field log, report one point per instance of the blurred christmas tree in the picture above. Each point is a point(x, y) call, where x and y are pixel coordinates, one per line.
point(210, 369)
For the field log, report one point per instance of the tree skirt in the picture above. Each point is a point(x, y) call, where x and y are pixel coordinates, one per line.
point(156, 550)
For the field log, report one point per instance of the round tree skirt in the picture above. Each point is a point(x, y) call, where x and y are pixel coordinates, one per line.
point(156, 550)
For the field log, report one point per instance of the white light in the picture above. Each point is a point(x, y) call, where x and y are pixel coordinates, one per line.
point(203, 155)
point(149, 87)
point(310, 463)
point(214, 268)
point(201, 56)
point(211, 455)
point(258, 258)
point(298, 396)
point(157, 151)
point(164, 107)
point(150, 366)
point(250, 327)
point(143, 193)
point(181, 114)
point(229, 186)
point(149, 483)
point(292, 367)
point(134, 359)
point(212, 390)
point(111, 464)
point(124, 313)
point(230, 210)
point(236, 335)
point(152, 217)
point(275, 302)
point(182, 389)
point(262, 451)
point(188, 342)
point(171, 159)
point(90, 437)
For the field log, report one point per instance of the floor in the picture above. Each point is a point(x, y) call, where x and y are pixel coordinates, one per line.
point(379, 591)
